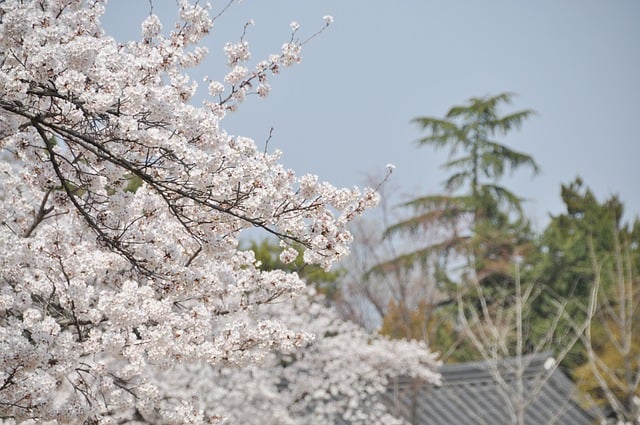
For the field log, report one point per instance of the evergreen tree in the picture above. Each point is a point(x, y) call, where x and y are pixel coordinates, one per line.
point(476, 212)
point(566, 247)
point(579, 247)
point(479, 223)
point(591, 256)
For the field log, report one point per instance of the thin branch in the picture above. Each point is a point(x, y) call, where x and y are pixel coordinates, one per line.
point(41, 215)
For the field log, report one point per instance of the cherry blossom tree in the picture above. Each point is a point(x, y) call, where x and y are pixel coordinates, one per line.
point(122, 205)
point(338, 379)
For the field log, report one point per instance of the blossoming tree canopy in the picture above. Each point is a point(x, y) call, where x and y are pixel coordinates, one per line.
point(122, 203)
point(341, 378)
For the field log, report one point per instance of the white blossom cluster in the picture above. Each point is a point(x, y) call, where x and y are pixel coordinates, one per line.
point(338, 379)
point(122, 204)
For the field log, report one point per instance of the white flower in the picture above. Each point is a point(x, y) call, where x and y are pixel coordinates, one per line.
point(328, 19)
point(263, 89)
point(549, 363)
point(215, 88)
point(151, 27)
point(236, 75)
point(237, 53)
point(289, 255)
point(291, 53)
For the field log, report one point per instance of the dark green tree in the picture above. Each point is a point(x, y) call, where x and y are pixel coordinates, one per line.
point(472, 128)
point(566, 247)
point(589, 254)
point(482, 220)
point(477, 224)
point(586, 233)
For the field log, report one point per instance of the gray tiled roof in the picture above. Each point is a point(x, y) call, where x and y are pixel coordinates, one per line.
point(470, 394)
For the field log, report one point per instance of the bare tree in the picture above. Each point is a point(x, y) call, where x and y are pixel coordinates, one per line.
point(371, 292)
point(611, 339)
point(501, 330)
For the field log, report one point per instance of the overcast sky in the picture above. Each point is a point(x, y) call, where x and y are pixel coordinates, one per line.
point(344, 112)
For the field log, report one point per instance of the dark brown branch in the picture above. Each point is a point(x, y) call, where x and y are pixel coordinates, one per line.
point(41, 215)
point(173, 192)
point(102, 236)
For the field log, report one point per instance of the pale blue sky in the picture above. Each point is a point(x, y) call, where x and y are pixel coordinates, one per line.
point(344, 112)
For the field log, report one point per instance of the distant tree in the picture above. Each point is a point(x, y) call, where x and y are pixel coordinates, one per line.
point(475, 206)
point(564, 259)
point(472, 231)
point(471, 128)
point(611, 372)
point(590, 255)
point(499, 326)
point(588, 259)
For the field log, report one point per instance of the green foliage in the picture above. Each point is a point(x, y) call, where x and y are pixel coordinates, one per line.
point(585, 233)
point(611, 374)
point(565, 263)
point(478, 162)
point(325, 282)
point(470, 128)
point(133, 183)
point(564, 260)
point(478, 222)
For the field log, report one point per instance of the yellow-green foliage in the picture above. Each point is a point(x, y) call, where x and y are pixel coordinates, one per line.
point(616, 366)
point(615, 331)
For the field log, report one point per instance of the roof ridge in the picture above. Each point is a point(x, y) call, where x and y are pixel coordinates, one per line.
point(484, 371)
